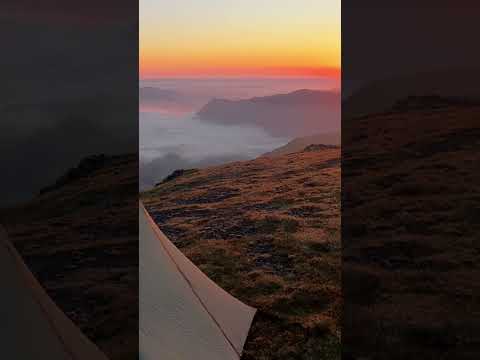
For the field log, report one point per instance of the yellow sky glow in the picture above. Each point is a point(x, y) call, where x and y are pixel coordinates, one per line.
point(263, 37)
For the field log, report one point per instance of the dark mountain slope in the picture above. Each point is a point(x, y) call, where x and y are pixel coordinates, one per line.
point(80, 239)
point(410, 224)
point(299, 113)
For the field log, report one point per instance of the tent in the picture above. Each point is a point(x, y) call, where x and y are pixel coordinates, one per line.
point(183, 314)
point(32, 326)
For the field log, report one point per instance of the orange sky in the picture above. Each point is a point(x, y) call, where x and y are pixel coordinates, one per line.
point(239, 38)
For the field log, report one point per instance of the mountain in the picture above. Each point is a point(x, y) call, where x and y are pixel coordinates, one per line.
point(410, 224)
point(268, 232)
point(298, 113)
point(301, 143)
point(79, 237)
point(380, 95)
point(152, 98)
point(149, 93)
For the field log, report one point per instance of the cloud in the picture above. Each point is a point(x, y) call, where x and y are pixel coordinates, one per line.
point(156, 170)
point(39, 143)
point(68, 91)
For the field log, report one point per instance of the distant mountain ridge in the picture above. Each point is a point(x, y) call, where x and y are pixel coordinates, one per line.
point(381, 95)
point(430, 102)
point(300, 143)
point(154, 98)
point(297, 113)
point(153, 93)
point(302, 96)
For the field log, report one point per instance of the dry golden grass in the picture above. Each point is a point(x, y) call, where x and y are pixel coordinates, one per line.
point(81, 242)
point(267, 231)
point(410, 215)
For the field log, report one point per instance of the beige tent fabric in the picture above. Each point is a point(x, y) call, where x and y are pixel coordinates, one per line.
point(32, 326)
point(183, 314)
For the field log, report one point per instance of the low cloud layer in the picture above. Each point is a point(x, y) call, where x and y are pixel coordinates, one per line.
point(39, 143)
point(168, 143)
point(70, 80)
point(156, 170)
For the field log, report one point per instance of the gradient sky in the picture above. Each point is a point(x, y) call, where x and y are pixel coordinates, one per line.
point(184, 38)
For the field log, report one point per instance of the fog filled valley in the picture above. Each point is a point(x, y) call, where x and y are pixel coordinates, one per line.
point(53, 111)
point(195, 123)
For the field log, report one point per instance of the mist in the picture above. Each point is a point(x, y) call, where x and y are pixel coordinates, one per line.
point(70, 92)
point(173, 136)
point(168, 143)
point(183, 96)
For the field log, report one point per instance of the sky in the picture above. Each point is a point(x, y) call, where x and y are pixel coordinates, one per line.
point(190, 38)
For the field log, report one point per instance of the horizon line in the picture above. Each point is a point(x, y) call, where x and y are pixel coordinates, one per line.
point(201, 77)
point(332, 72)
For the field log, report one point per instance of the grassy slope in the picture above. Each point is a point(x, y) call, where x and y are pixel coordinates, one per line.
point(81, 242)
point(267, 231)
point(298, 144)
point(411, 192)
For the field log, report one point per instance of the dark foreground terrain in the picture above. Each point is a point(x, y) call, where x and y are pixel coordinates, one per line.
point(267, 231)
point(411, 224)
point(80, 239)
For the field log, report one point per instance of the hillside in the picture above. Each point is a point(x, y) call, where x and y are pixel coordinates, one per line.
point(298, 144)
point(381, 95)
point(411, 200)
point(314, 111)
point(267, 231)
point(80, 239)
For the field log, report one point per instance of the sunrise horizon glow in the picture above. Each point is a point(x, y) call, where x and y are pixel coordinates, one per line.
point(251, 38)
